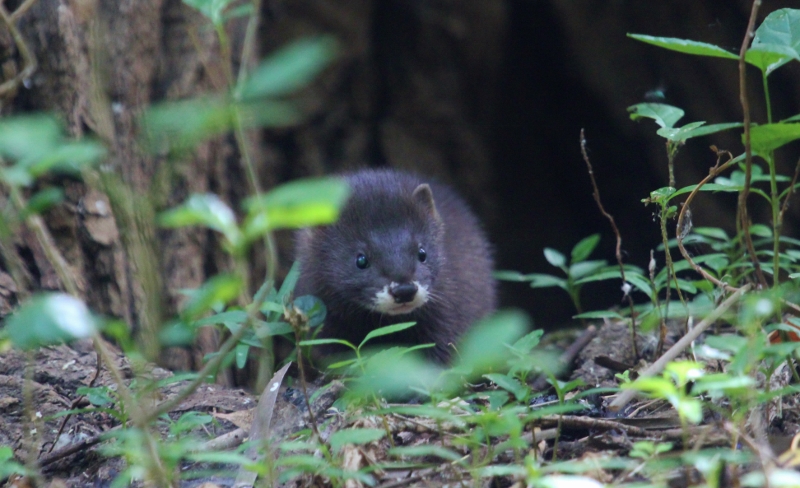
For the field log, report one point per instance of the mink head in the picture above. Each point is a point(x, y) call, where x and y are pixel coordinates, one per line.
point(383, 254)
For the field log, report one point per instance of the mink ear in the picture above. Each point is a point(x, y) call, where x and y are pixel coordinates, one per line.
point(424, 197)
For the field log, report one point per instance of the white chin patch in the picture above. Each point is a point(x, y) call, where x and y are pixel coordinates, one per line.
point(383, 302)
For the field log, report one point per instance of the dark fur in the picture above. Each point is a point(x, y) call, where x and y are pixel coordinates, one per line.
point(382, 220)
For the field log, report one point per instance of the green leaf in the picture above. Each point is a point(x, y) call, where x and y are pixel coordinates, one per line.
point(584, 268)
point(539, 280)
point(555, 258)
point(290, 68)
point(664, 115)
point(598, 314)
point(207, 210)
point(780, 28)
point(509, 384)
point(50, 318)
point(686, 46)
point(233, 316)
point(769, 57)
point(313, 308)
point(29, 137)
point(527, 342)
point(269, 329)
point(289, 282)
point(43, 200)
point(389, 329)
point(485, 346)
point(584, 248)
point(695, 129)
point(300, 203)
point(220, 289)
point(768, 137)
point(504, 275)
point(210, 8)
point(663, 193)
point(706, 187)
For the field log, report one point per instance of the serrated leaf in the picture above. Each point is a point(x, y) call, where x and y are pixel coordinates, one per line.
point(686, 46)
point(664, 115)
point(584, 248)
point(555, 258)
point(49, 318)
point(768, 137)
point(290, 68)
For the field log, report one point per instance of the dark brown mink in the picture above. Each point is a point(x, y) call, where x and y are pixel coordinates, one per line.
point(402, 250)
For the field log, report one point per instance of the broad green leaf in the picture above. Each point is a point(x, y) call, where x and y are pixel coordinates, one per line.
point(584, 248)
point(713, 232)
point(269, 329)
point(664, 115)
point(70, 158)
point(695, 129)
point(389, 329)
point(485, 346)
point(686, 46)
point(769, 57)
point(29, 137)
point(43, 200)
point(182, 124)
point(290, 68)
point(241, 351)
point(527, 342)
point(49, 318)
point(299, 203)
point(780, 28)
point(660, 194)
point(584, 268)
point(554, 257)
point(768, 137)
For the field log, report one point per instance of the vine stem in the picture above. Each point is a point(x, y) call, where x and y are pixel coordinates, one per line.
point(742, 206)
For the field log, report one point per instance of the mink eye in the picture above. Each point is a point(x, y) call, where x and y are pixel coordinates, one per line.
point(361, 261)
point(421, 254)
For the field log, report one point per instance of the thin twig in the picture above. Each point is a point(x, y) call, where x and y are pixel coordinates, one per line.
point(618, 251)
point(29, 61)
point(789, 193)
point(745, 221)
point(716, 170)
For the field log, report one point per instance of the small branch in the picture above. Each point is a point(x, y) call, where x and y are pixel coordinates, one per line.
point(673, 352)
point(717, 169)
point(745, 221)
point(789, 193)
point(29, 61)
point(618, 252)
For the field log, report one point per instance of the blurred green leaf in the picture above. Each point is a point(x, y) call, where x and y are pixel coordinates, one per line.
point(484, 348)
point(355, 436)
point(509, 384)
point(539, 280)
point(664, 115)
point(290, 68)
point(213, 9)
point(43, 200)
point(555, 258)
point(27, 138)
point(598, 314)
point(220, 289)
point(527, 342)
point(504, 275)
point(299, 203)
point(50, 318)
point(584, 248)
point(425, 451)
point(584, 268)
point(686, 46)
point(206, 210)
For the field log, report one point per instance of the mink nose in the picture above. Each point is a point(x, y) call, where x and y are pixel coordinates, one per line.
point(403, 293)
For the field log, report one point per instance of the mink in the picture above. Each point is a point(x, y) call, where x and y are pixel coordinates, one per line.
point(402, 250)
